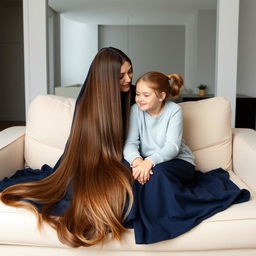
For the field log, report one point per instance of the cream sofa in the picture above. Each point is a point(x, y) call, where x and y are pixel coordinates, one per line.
point(206, 130)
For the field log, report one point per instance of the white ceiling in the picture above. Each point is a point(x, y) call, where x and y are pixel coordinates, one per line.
point(99, 11)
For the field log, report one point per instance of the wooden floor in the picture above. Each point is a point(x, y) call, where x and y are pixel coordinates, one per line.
point(6, 124)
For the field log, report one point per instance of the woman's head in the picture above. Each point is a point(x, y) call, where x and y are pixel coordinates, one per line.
point(110, 66)
point(126, 74)
point(126, 69)
point(115, 61)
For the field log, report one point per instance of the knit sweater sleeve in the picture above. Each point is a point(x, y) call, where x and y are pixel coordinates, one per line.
point(173, 140)
point(131, 146)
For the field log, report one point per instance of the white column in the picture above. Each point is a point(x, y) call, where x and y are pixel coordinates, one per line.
point(226, 51)
point(191, 51)
point(35, 48)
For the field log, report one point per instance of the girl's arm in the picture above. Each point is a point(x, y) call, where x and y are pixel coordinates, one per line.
point(173, 141)
point(131, 146)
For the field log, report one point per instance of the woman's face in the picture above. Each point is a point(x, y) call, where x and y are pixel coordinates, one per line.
point(126, 74)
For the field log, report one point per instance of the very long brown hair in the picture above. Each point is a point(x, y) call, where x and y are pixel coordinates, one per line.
point(91, 164)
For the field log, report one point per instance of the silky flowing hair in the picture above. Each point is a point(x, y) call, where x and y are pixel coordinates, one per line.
point(91, 164)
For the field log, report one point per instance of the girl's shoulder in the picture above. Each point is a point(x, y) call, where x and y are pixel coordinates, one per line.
point(135, 109)
point(172, 106)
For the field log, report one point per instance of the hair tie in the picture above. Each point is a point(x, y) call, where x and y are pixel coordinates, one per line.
point(170, 77)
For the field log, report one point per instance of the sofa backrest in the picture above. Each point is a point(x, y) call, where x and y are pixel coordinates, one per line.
point(47, 130)
point(207, 131)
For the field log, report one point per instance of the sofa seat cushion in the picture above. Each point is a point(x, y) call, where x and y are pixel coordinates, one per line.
point(234, 228)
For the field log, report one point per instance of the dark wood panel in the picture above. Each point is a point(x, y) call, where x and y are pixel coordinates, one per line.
point(245, 112)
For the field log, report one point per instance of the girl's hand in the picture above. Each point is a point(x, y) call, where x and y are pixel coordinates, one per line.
point(136, 162)
point(143, 171)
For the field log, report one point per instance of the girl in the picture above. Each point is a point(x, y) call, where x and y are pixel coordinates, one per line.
point(160, 122)
point(170, 197)
point(84, 197)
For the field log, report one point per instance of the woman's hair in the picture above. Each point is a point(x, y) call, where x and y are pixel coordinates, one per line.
point(91, 164)
point(161, 83)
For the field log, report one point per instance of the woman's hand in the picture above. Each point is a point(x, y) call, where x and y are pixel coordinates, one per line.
point(142, 171)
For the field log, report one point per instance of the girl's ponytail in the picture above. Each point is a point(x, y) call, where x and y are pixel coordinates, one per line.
point(176, 84)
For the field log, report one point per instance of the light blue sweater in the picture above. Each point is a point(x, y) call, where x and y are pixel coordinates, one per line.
point(157, 139)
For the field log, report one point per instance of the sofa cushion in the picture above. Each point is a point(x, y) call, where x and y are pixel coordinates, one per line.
point(48, 126)
point(207, 131)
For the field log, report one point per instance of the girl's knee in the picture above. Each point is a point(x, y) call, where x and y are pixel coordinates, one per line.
point(162, 166)
point(158, 170)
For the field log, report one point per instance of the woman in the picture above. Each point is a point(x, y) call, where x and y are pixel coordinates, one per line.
point(88, 193)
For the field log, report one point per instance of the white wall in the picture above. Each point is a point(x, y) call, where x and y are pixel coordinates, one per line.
point(53, 50)
point(246, 77)
point(12, 94)
point(35, 48)
point(206, 49)
point(114, 35)
point(226, 52)
point(151, 48)
point(79, 45)
point(170, 17)
point(51, 58)
point(191, 51)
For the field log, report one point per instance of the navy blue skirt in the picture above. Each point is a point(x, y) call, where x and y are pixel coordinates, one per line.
point(173, 201)
point(177, 198)
point(31, 175)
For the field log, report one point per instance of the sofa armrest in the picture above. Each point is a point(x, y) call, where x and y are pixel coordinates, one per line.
point(11, 150)
point(244, 155)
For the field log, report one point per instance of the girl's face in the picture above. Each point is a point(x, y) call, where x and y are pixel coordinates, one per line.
point(147, 99)
point(126, 74)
